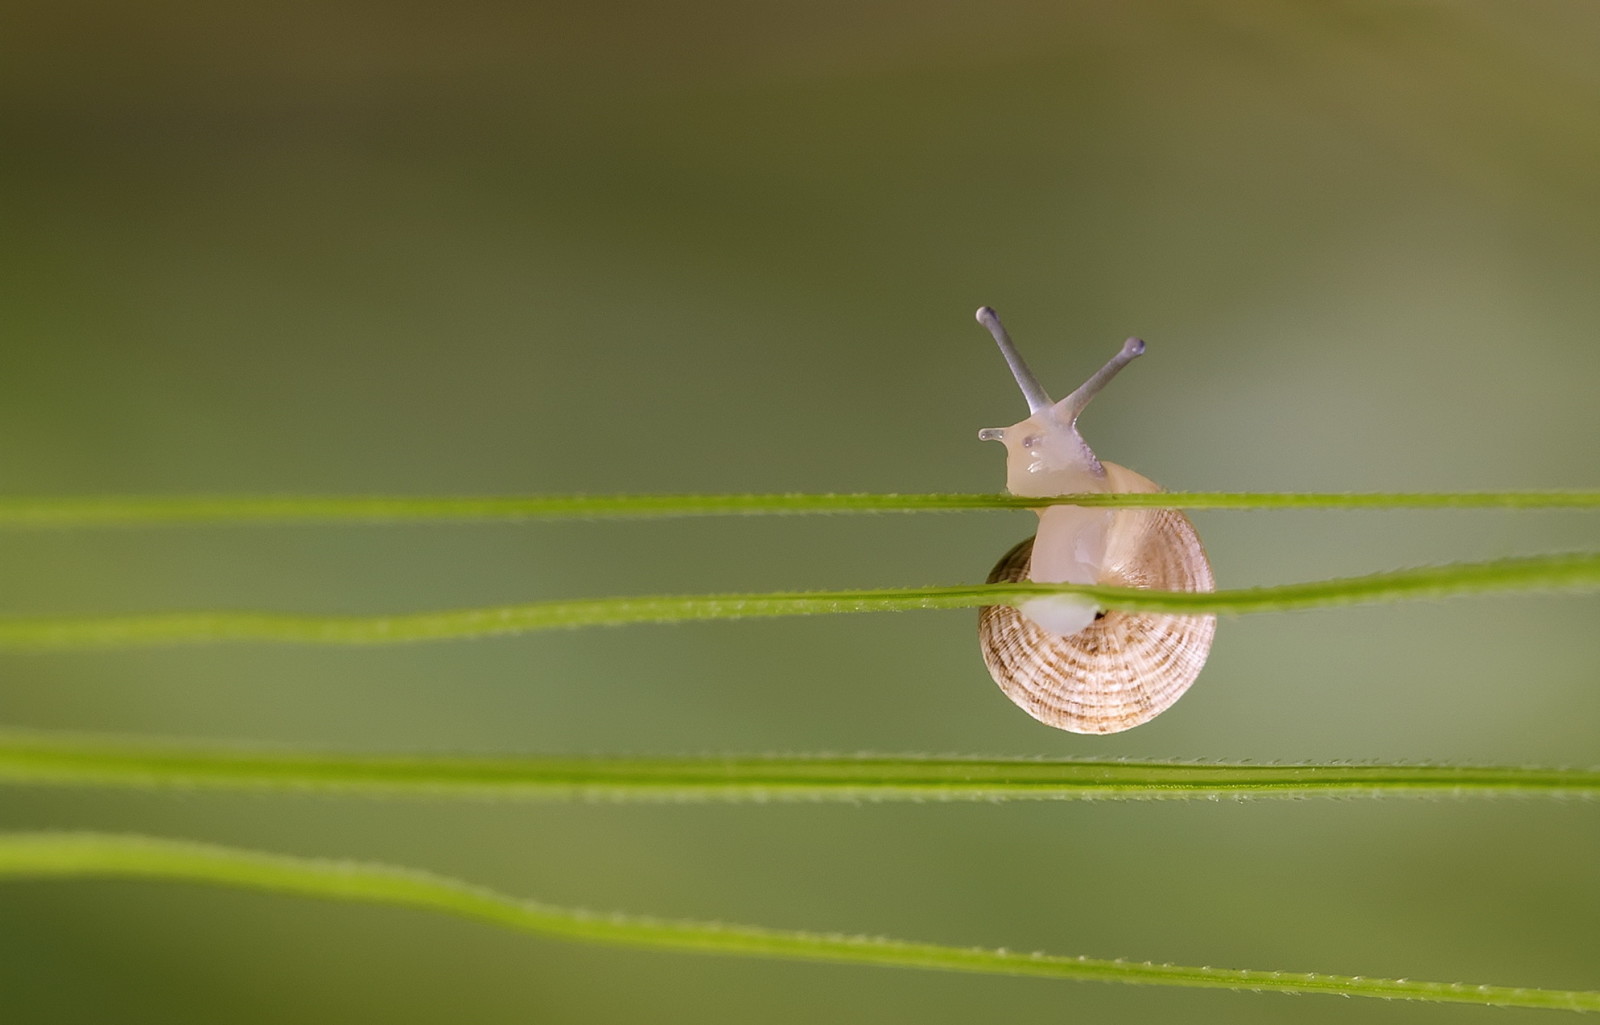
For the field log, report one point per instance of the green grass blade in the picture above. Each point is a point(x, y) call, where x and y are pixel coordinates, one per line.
point(34, 758)
point(1574, 571)
point(177, 510)
point(90, 855)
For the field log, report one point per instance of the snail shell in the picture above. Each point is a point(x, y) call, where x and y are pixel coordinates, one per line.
point(1064, 662)
point(1124, 668)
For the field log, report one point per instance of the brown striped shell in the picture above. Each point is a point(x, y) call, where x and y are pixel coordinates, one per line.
point(1125, 668)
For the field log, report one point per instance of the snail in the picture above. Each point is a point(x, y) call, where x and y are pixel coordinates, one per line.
point(1063, 660)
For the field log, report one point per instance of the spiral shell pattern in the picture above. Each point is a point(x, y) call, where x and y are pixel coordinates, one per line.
point(1123, 669)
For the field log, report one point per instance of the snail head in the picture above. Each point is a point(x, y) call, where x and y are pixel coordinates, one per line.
point(1045, 454)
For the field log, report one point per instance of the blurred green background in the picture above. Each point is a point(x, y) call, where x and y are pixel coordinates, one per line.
point(618, 247)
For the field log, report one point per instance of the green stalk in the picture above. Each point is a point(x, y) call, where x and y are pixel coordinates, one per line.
point(90, 855)
point(34, 758)
point(1574, 571)
point(156, 510)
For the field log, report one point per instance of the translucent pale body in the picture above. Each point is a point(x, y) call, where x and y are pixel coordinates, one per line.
point(1071, 549)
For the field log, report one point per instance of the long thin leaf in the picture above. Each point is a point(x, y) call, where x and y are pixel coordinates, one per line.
point(89, 855)
point(1574, 571)
point(35, 758)
point(155, 510)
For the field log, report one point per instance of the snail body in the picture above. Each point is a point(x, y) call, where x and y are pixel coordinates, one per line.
point(1060, 658)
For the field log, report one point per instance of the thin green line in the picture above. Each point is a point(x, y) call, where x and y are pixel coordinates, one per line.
point(90, 855)
point(1574, 571)
point(175, 510)
point(33, 758)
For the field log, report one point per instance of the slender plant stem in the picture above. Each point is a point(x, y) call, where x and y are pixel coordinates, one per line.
point(1575, 571)
point(35, 758)
point(90, 855)
point(155, 510)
